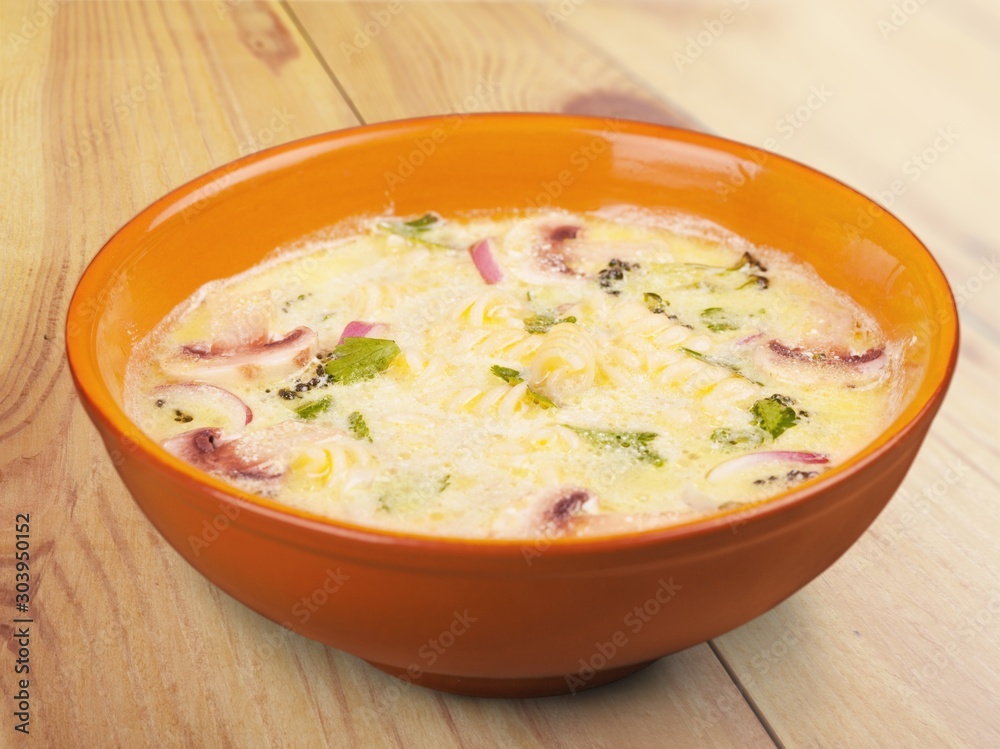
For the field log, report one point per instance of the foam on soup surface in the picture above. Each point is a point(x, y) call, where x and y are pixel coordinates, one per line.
point(541, 375)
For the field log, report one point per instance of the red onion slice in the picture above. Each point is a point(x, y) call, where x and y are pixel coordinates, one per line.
point(260, 455)
point(361, 329)
point(742, 462)
point(748, 339)
point(837, 356)
point(485, 262)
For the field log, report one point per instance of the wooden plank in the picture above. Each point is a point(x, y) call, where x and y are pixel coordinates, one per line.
point(108, 106)
point(111, 105)
point(104, 107)
point(398, 60)
point(868, 106)
point(895, 645)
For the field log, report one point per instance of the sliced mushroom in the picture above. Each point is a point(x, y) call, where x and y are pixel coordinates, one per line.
point(551, 249)
point(539, 250)
point(208, 450)
point(263, 454)
point(573, 512)
point(270, 360)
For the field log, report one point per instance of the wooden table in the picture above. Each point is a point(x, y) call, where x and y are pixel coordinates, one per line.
point(105, 106)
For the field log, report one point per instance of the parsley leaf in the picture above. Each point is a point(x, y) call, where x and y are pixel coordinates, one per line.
point(359, 428)
point(508, 375)
point(725, 437)
point(423, 223)
point(716, 319)
point(540, 399)
point(774, 415)
point(638, 442)
point(748, 259)
point(717, 363)
point(414, 229)
point(655, 303)
point(543, 323)
point(361, 359)
point(312, 409)
point(759, 282)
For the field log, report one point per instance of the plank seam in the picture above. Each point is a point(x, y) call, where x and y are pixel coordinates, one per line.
point(323, 63)
point(764, 722)
point(630, 75)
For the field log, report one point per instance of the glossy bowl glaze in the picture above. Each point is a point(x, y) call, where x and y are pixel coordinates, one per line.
point(490, 617)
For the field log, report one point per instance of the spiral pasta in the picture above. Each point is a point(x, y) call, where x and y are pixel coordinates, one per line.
point(535, 373)
point(492, 307)
point(565, 363)
point(343, 463)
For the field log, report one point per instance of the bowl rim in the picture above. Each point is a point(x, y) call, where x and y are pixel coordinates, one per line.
point(276, 518)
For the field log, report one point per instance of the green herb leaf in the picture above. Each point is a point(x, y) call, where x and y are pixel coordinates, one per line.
point(312, 409)
point(359, 428)
point(717, 363)
point(361, 359)
point(543, 323)
point(422, 223)
point(759, 282)
point(774, 415)
point(609, 278)
point(445, 482)
point(748, 259)
point(413, 229)
point(725, 437)
point(540, 399)
point(637, 442)
point(655, 303)
point(508, 375)
point(716, 319)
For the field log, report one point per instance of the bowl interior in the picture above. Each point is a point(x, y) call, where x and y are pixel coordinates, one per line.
point(229, 219)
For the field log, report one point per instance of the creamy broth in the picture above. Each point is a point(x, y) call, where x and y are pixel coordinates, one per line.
point(544, 374)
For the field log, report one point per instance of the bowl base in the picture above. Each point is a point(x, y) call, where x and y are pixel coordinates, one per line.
point(532, 686)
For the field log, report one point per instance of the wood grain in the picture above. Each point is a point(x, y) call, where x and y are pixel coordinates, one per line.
point(399, 60)
point(109, 106)
point(895, 645)
point(106, 106)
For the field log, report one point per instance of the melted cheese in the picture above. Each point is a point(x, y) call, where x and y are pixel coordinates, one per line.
point(652, 344)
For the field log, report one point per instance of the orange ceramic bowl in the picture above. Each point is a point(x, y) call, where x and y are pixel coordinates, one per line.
point(491, 617)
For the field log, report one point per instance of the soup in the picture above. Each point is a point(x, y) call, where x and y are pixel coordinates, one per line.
point(531, 375)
